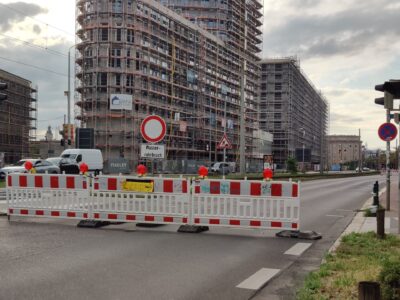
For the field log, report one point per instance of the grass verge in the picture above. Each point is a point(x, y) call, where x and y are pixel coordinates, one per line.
point(2, 184)
point(359, 257)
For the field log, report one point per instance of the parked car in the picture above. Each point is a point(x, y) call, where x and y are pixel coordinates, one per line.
point(221, 168)
point(364, 169)
point(69, 166)
point(41, 166)
point(92, 157)
point(54, 160)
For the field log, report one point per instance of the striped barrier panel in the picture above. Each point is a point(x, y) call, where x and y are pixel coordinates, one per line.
point(45, 195)
point(141, 200)
point(249, 204)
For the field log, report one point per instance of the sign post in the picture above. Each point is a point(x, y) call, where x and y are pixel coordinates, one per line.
point(153, 130)
point(224, 143)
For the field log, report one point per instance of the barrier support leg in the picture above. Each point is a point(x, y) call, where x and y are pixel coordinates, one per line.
point(191, 227)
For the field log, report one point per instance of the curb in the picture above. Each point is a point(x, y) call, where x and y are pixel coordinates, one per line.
point(356, 224)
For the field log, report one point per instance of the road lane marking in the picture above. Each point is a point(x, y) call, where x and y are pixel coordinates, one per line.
point(298, 249)
point(258, 279)
point(335, 216)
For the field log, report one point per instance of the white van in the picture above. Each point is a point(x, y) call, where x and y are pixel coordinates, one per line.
point(92, 157)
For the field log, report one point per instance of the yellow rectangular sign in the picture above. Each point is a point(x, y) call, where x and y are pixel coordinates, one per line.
point(142, 186)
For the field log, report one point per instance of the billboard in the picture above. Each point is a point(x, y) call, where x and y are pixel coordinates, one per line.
point(120, 101)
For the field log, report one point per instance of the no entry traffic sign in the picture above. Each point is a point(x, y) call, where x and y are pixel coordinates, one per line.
point(153, 129)
point(387, 132)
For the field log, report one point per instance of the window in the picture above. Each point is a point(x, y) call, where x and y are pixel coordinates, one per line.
point(130, 36)
point(117, 79)
point(103, 34)
point(119, 34)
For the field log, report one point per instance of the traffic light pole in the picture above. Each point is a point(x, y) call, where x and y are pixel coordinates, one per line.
point(388, 165)
point(398, 190)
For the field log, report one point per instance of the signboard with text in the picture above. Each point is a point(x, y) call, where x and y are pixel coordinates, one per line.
point(152, 151)
point(120, 101)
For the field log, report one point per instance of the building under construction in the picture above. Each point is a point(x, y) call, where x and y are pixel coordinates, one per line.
point(18, 117)
point(295, 112)
point(186, 61)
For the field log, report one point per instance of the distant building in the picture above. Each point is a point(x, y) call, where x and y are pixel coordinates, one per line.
point(18, 117)
point(343, 149)
point(47, 147)
point(294, 111)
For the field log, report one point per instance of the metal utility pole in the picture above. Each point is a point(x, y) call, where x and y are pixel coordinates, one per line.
point(242, 122)
point(388, 165)
point(224, 153)
point(69, 87)
point(359, 152)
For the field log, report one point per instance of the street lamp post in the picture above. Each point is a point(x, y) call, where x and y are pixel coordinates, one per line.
point(304, 134)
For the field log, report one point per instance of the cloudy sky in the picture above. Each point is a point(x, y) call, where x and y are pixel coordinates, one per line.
point(344, 46)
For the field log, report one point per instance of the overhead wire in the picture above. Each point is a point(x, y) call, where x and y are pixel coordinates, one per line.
point(35, 45)
point(33, 66)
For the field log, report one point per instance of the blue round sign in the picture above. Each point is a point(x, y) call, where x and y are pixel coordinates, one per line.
point(387, 132)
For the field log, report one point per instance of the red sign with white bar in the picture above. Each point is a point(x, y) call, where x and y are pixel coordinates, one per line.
point(153, 129)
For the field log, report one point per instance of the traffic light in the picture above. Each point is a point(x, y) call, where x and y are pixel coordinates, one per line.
point(391, 90)
point(3, 86)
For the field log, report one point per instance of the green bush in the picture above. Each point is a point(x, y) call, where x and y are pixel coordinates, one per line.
point(390, 279)
point(292, 165)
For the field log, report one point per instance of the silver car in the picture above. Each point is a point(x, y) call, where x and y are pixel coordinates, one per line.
point(41, 166)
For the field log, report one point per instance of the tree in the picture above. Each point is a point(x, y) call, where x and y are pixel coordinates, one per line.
point(291, 165)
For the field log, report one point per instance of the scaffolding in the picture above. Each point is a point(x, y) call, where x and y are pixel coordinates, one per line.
point(294, 111)
point(172, 66)
point(18, 117)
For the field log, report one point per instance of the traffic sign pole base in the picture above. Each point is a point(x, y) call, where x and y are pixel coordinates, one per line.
point(192, 228)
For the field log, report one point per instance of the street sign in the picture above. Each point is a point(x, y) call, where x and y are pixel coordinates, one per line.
point(387, 132)
point(152, 151)
point(224, 143)
point(153, 129)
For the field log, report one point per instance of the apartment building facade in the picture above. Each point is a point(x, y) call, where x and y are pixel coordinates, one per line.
point(18, 117)
point(295, 112)
point(161, 63)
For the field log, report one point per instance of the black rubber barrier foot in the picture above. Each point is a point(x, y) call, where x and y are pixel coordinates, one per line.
point(92, 223)
point(148, 225)
point(305, 235)
point(192, 228)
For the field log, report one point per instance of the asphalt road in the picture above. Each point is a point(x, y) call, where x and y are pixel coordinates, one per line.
point(53, 259)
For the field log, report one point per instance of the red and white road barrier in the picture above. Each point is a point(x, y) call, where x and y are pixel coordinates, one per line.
point(143, 200)
point(249, 204)
point(45, 195)
point(230, 203)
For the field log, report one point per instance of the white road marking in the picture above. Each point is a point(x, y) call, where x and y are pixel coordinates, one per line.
point(298, 249)
point(258, 279)
point(335, 216)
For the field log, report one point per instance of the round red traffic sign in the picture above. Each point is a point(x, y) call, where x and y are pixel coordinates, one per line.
point(153, 129)
point(387, 132)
